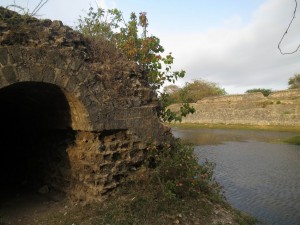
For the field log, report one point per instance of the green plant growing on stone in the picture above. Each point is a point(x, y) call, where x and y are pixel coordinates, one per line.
point(25, 10)
point(132, 40)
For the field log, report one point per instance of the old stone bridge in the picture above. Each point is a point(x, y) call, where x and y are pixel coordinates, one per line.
point(69, 120)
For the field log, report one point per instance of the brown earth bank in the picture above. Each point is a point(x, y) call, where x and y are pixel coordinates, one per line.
point(137, 201)
point(279, 109)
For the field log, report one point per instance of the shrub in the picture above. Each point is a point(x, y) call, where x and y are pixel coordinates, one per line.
point(192, 92)
point(179, 173)
point(265, 92)
point(294, 82)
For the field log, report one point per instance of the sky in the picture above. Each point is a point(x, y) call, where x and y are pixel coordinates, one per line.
point(230, 42)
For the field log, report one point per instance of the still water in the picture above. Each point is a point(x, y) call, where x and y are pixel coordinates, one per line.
point(259, 174)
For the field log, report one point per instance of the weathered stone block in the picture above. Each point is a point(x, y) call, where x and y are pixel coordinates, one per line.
point(97, 102)
point(9, 73)
point(3, 56)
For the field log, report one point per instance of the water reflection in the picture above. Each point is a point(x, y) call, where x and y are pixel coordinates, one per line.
point(259, 175)
point(208, 136)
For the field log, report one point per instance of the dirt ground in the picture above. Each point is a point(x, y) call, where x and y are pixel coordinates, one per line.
point(28, 207)
point(44, 209)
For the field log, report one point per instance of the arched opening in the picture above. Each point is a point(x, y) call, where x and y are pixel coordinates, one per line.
point(36, 130)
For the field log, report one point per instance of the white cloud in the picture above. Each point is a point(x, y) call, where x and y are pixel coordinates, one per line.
point(102, 4)
point(239, 58)
point(106, 5)
point(234, 21)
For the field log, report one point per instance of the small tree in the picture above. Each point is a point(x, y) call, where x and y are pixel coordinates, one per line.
point(199, 89)
point(294, 82)
point(192, 92)
point(265, 92)
point(132, 39)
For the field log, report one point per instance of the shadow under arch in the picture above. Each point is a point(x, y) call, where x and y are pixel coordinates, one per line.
point(38, 123)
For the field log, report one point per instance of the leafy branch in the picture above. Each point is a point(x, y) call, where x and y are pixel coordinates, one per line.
point(132, 39)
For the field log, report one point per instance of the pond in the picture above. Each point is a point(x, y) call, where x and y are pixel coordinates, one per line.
point(259, 174)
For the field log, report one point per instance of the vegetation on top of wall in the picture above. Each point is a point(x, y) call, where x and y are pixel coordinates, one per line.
point(25, 10)
point(264, 91)
point(131, 38)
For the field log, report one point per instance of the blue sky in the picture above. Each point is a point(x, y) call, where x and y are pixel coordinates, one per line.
point(230, 42)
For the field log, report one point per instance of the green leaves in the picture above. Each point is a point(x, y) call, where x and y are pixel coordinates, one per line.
point(192, 92)
point(294, 82)
point(180, 174)
point(132, 39)
point(169, 116)
point(100, 23)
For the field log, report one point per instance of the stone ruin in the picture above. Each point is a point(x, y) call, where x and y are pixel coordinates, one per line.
point(280, 108)
point(68, 121)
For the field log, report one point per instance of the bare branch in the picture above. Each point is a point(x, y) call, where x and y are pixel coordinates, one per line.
point(26, 10)
point(38, 7)
point(285, 33)
point(16, 7)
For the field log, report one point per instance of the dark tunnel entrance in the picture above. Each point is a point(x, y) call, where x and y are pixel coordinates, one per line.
point(34, 136)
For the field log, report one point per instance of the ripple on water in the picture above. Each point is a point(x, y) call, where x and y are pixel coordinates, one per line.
point(258, 177)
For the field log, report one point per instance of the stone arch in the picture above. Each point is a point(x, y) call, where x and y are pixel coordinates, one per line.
point(40, 124)
point(46, 76)
point(107, 113)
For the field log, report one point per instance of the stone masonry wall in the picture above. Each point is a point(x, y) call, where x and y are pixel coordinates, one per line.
point(280, 108)
point(112, 109)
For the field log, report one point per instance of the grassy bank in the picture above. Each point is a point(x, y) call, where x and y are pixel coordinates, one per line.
point(172, 188)
point(237, 126)
point(293, 141)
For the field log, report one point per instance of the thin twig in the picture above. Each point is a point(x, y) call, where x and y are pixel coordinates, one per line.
point(17, 7)
point(38, 7)
point(285, 33)
point(26, 10)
